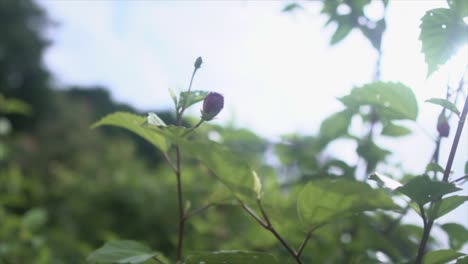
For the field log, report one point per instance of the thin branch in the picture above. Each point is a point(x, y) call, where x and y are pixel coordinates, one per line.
point(197, 211)
point(460, 179)
point(180, 205)
point(304, 243)
point(253, 214)
point(169, 162)
point(158, 260)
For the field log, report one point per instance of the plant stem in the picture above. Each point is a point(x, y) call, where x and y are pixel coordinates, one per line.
point(448, 169)
point(181, 206)
point(268, 226)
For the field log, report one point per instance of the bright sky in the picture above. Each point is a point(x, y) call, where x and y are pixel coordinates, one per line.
point(276, 70)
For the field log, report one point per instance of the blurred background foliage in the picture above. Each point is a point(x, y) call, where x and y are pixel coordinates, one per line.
point(65, 189)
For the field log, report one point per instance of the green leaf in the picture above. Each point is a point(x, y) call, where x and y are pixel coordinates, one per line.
point(434, 167)
point(460, 7)
point(325, 201)
point(447, 205)
point(390, 100)
point(422, 190)
point(186, 99)
point(466, 167)
point(135, 124)
point(173, 96)
point(463, 260)
point(341, 32)
point(257, 185)
point(336, 125)
point(34, 219)
point(441, 256)
point(442, 33)
point(231, 257)
point(230, 169)
point(393, 130)
point(124, 251)
point(154, 119)
point(446, 104)
point(292, 7)
point(458, 235)
point(13, 106)
point(385, 181)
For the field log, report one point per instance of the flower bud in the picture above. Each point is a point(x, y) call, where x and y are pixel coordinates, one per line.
point(443, 126)
point(198, 63)
point(212, 105)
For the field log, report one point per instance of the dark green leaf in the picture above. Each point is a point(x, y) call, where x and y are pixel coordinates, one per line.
point(231, 257)
point(458, 235)
point(422, 190)
point(186, 99)
point(135, 124)
point(460, 7)
point(463, 260)
point(441, 256)
point(325, 201)
point(123, 251)
point(442, 33)
point(445, 103)
point(292, 7)
point(393, 130)
point(434, 167)
point(390, 100)
point(341, 32)
point(447, 205)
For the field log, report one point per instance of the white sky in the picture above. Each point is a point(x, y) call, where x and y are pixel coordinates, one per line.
point(276, 70)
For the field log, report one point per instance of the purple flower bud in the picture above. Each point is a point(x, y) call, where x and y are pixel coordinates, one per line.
point(444, 129)
point(198, 63)
point(212, 105)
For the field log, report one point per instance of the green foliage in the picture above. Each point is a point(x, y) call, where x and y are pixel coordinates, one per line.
point(325, 201)
point(442, 33)
point(392, 101)
point(187, 99)
point(446, 204)
point(13, 106)
point(441, 256)
point(422, 190)
point(231, 257)
point(458, 235)
point(446, 104)
point(394, 130)
point(124, 251)
point(459, 6)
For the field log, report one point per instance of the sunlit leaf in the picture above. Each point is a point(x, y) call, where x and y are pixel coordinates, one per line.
point(257, 185)
point(186, 99)
point(447, 205)
point(154, 119)
point(385, 181)
point(124, 251)
point(135, 124)
point(422, 190)
point(445, 103)
point(442, 33)
point(231, 257)
point(393, 130)
point(441, 256)
point(390, 100)
point(13, 106)
point(325, 201)
point(458, 235)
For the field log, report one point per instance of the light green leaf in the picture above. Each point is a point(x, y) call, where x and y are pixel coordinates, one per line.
point(446, 104)
point(422, 190)
point(460, 7)
point(173, 96)
point(34, 219)
point(390, 100)
point(230, 169)
point(441, 256)
point(154, 119)
point(186, 99)
point(325, 201)
point(447, 205)
point(458, 235)
point(13, 106)
point(393, 130)
point(231, 257)
point(124, 251)
point(336, 125)
point(257, 185)
point(442, 33)
point(135, 124)
point(385, 181)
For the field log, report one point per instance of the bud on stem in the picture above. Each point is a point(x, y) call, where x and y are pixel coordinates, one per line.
point(212, 105)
